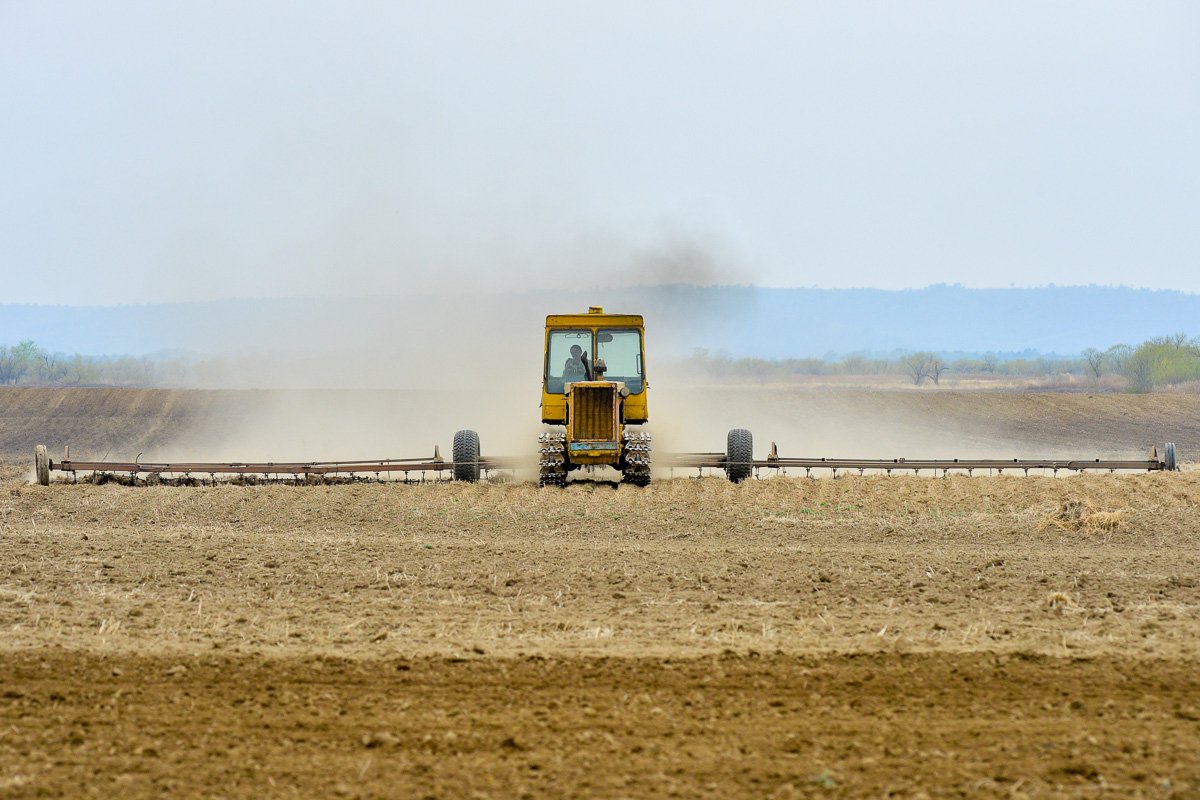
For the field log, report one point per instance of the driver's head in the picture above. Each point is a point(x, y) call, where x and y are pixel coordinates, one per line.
point(576, 351)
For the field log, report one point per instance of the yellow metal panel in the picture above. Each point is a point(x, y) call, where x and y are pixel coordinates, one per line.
point(554, 408)
point(593, 412)
point(636, 407)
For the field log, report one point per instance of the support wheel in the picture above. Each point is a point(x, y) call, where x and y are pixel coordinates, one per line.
point(552, 459)
point(636, 470)
point(41, 464)
point(1169, 457)
point(739, 454)
point(466, 456)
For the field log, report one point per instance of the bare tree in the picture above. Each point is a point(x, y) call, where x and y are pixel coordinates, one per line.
point(1095, 362)
point(989, 362)
point(934, 367)
point(1117, 355)
point(51, 368)
point(916, 366)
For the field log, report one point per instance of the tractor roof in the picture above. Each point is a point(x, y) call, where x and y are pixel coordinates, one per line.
point(594, 318)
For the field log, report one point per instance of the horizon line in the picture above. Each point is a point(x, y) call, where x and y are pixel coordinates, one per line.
point(628, 287)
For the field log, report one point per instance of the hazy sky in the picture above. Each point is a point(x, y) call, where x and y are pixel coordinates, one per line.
point(172, 151)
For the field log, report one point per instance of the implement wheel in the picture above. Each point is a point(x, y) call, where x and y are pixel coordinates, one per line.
point(41, 464)
point(739, 454)
point(1169, 457)
point(466, 456)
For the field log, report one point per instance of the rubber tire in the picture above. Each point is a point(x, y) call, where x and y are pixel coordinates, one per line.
point(41, 464)
point(1169, 457)
point(739, 452)
point(466, 456)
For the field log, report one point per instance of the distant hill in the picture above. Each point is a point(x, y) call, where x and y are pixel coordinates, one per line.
point(742, 321)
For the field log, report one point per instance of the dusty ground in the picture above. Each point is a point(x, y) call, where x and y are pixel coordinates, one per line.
point(858, 637)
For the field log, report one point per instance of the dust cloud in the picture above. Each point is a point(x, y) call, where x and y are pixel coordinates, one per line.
point(393, 377)
point(812, 422)
point(338, 399)
point(686, 416)
point(401, 403)
point(380, 377)
point(887, 423)
point(153, 425)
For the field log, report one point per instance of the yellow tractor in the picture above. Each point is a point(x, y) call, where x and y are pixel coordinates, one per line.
point(594, 386)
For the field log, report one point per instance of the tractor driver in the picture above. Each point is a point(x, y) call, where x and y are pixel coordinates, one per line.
point(576, 368)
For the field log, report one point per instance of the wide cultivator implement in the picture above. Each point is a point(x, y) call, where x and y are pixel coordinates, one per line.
point(595, 400)
point(737, 462)
point(407, 469)
point(739, 469)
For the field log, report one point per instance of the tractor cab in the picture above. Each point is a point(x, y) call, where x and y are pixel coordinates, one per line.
point(594, 347)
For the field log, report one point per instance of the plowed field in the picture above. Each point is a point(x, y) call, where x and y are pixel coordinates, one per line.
point(850, 637)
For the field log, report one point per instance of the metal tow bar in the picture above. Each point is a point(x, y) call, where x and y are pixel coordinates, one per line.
point(775, 461)
point(699, 461)
point(266, 469)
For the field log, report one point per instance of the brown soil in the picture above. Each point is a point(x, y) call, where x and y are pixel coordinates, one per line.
point(857, 637)
point(117, 423)
point(875, 725)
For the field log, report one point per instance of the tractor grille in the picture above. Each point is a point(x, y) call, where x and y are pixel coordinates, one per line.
point(593, 413)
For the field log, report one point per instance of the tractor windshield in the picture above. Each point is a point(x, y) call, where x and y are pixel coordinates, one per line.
point(622, 354)
point(568, 358)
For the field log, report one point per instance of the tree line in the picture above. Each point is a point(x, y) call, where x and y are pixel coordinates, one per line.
point(1163, 361)
point(1159, 362)
point(27, 363)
